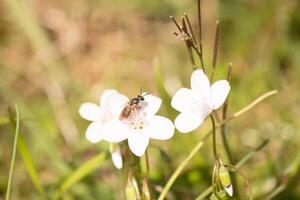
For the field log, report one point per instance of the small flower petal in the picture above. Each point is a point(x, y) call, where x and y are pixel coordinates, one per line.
point(160, 128)
point(200, 84)
point(115, 131)
point(105, 95)
point(182, 99)
point(90, 111)
point(219, 92)
point(187, 122)
point(116, 103)
point(153, 104)
point(116, 156)
point(94, 132)
point(138, 142)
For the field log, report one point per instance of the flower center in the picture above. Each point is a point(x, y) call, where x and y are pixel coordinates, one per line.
point(200, 108)
point(136, 122)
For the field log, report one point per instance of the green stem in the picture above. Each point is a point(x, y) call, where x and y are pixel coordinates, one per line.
point(214, 137)
point(13, 155)
point(174, 176)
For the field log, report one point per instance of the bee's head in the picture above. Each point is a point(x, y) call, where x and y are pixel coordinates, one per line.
point(140, 97)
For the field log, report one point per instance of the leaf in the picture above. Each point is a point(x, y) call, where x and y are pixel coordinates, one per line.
point(27, 158)
point(81, 172)
point(11, 169)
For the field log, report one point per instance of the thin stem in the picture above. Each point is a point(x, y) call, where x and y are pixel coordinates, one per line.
point(200, 35)
point(12, 163)
point(178, 170)
point(188, 44)
point(175, 22)
point(252, 104)
point(147, 163)
point(190, 28)
point(237, 166)
point(215, 52)
point(214, 137)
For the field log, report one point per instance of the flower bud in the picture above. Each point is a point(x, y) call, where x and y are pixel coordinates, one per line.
point(116, 155)
point(225, 180)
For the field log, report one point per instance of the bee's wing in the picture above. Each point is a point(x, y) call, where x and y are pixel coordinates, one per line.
point(143, 104)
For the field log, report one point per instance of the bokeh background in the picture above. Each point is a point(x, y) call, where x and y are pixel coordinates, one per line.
point(55, 55)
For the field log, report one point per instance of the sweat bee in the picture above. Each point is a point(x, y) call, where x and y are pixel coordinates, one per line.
point(133, 105)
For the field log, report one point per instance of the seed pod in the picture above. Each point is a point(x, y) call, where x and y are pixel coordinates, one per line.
point(132, 191)
point(116, 155)
point(225, 180)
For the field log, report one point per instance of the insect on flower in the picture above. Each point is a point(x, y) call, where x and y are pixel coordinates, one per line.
point(133, 105)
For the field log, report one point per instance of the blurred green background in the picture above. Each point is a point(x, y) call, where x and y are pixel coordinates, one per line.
point(55, 55)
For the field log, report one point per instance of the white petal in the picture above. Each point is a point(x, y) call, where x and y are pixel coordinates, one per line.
point(153, 104)
point(182, 99)
point(229, 190)
point(187, 122)
point(116, 103)
point(115, 131)
point(94, 132)
point(117, 157)
point(219, 93)
point(160, 128)
point(200, 84)
point(105, 95)
point(138, 142)
point(90, 111)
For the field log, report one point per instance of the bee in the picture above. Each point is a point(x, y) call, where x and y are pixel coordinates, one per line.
point(133, 105)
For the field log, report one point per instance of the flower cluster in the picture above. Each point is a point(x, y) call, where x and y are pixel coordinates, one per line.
point(118, 118)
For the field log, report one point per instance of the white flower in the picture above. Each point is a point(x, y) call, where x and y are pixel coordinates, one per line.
point(140, 125)
point(100, 117)
point(197, 103)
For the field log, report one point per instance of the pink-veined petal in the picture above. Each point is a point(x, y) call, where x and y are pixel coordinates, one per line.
point(115, 131)
point(138, 142)
point(116, 103)
point(160, 128)
point(153, 104)
point(219, 92)
point(105, 95)
point(94, 132)
point(182, 99)
point(200, 84)
point(90, 111)
point(187, 122)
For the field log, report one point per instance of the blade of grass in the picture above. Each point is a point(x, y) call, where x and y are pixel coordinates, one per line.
point(178, 170)
point(238, 165)
point(79, 174)
point(27, 158)
point(12, 163)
